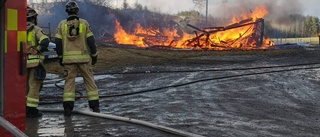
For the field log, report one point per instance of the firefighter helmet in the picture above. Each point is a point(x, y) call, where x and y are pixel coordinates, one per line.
point(31, 13)
point(72, 7)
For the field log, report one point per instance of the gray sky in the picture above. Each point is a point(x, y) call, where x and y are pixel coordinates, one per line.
point(217, 8)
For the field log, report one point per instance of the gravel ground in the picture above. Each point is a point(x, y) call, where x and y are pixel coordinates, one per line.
point(222, 98)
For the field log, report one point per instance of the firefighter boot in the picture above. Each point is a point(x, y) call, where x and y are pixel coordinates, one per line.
point(32, 112)
point(68, 107)
point(94, 105)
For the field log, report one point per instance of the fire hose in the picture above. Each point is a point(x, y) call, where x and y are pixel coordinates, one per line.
point(11, 128)
point(196, 81)
point(128, 120)
point(171, 130)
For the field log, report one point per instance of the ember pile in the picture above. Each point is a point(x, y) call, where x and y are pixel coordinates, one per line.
point(245, 33)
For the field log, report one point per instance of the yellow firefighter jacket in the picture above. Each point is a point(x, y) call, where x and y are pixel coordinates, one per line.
point(74, 36)
point(35, 36)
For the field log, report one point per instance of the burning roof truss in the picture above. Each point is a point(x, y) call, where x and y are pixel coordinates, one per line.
point(244, 35)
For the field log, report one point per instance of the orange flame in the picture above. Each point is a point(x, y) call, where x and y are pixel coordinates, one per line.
point(240, 34)
point(122, 37)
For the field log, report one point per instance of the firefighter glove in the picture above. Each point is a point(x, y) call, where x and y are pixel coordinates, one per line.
point(94, 60)
point(60, 62)
point(40, 72)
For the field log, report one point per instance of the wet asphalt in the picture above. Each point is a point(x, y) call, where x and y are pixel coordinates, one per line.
point(273, 102)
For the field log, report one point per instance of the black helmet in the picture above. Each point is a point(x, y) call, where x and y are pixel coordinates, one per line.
point(72, 7)
point(31, 13)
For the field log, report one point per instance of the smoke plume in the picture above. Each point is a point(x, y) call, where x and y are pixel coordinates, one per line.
point(279, 10)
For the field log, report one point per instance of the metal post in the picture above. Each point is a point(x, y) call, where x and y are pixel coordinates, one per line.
point(207, 12)
point(49, 31)
point(318, 30)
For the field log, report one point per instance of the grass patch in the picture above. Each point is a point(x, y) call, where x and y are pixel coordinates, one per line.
point(111, 57)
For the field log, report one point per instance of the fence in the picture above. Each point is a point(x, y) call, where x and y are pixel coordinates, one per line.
point(311, 40)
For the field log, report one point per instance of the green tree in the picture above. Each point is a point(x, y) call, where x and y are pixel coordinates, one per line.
point(125, 4)
point(312, 25)
point(191, 13)
point(199, 4)
point(106, 3)
point(138, 6)
point(146, 8)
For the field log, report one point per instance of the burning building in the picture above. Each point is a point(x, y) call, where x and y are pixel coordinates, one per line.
point(245, 33)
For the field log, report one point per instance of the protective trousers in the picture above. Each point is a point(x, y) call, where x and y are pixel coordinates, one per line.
point(71, 72)
point(33, 88)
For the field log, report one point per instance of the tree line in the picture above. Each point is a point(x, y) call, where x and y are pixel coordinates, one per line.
point(292, 26)
point(295, 26)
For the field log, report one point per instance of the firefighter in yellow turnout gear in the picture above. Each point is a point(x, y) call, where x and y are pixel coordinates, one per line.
point(76, 49)
point(37, 43)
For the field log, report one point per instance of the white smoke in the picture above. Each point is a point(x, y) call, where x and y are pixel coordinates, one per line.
point(278, 9)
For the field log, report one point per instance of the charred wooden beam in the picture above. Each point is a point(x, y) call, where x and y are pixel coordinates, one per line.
point(204, 36)
point(262, 33)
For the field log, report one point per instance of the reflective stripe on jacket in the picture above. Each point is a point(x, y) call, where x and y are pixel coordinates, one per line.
point(33, 40)
point(75, 50)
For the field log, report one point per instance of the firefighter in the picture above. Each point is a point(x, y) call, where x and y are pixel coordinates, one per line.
point(77, 51)
point(37, 43)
